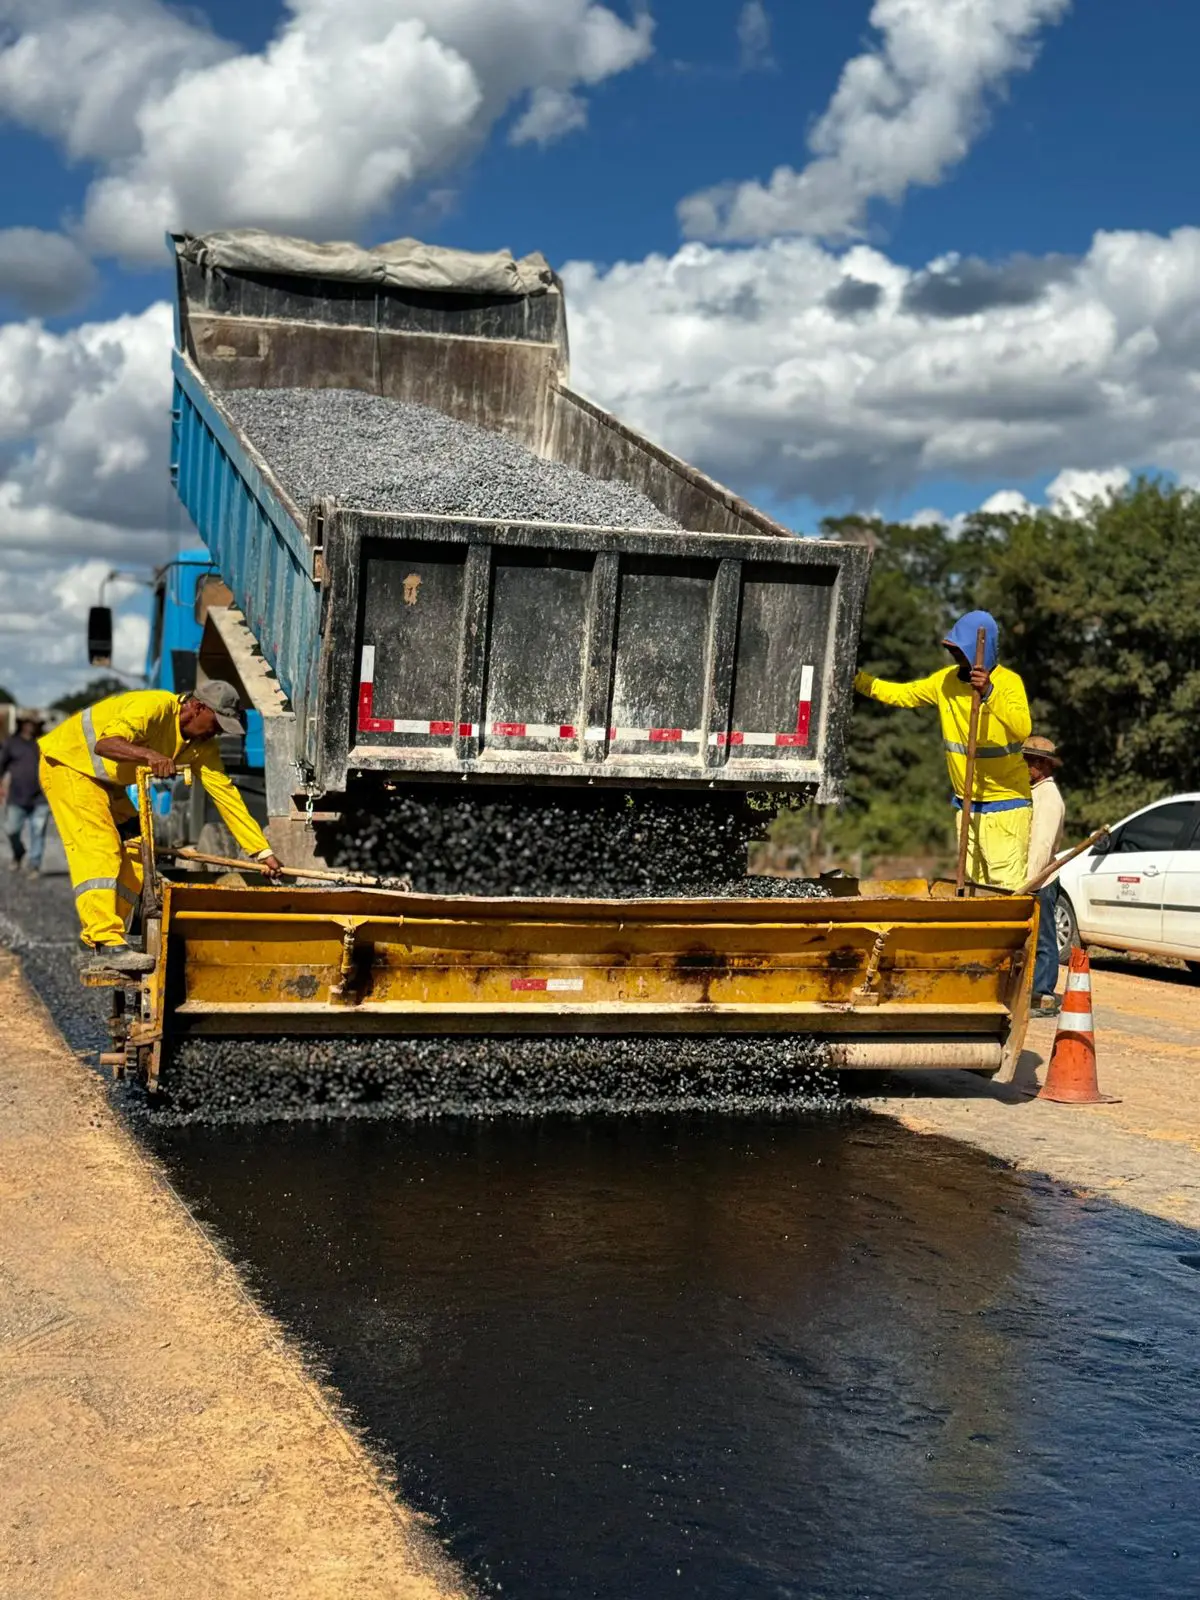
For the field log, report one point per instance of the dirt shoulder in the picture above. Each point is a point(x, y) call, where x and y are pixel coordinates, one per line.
point(157, 1434)
point(1144, 1152)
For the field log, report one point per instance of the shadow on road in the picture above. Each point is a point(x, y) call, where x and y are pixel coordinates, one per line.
point(1162, 971)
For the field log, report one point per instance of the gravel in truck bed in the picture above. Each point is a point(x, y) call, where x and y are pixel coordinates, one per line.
point(390, 455)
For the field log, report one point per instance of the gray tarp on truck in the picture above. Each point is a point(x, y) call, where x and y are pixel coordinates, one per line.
point(400, 264)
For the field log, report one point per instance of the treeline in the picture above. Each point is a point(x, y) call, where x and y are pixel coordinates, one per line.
point(1100, 614)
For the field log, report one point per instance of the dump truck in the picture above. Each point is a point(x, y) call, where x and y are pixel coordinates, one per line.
point(709, 651)
point(424, 646)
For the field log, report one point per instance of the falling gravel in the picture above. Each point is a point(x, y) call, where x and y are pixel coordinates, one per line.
point(598, 843)
point(390, 455)
point(265, 1080)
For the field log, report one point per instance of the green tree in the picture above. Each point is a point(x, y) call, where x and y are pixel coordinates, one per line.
point(6, 699)
point(98, 689)
point(1100, 620)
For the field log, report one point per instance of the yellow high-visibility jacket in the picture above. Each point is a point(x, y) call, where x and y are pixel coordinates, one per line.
point(1004, 725)
point(150, 717)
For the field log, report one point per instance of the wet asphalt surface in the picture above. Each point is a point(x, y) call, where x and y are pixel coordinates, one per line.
point(765, 1356)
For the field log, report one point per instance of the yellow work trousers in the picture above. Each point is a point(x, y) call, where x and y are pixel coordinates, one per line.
point(998, 847)
point(106, 873)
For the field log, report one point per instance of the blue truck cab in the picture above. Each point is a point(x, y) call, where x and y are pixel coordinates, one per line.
point(182, 594)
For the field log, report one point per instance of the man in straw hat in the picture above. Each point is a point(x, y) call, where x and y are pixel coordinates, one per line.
point(1045, 839)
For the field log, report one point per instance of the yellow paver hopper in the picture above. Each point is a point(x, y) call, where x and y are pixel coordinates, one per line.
point(893, 976)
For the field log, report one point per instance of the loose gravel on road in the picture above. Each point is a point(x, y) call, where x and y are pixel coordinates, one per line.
point(377, 454)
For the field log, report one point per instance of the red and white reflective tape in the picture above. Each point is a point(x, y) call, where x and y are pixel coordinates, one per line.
point(534, 730)
point(547, 985)
point(441, 730)
point(366, 690)
point(568, 733)
point(368, 722)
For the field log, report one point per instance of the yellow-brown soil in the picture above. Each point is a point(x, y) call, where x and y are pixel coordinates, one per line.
point(157, 1435)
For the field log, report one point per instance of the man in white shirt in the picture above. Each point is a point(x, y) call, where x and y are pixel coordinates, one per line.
point(1045, 839)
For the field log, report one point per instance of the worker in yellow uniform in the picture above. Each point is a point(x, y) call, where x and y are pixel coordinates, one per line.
point(1001, 806)
point(87, 763)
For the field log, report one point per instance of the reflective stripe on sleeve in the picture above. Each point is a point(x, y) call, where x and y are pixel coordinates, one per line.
point(89, 734)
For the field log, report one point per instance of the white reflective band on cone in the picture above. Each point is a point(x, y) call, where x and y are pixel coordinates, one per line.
point(1075, 1022)
point(1079, 980)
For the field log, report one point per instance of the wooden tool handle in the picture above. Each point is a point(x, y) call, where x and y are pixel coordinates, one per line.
point(1056, 866)
point(969, 778)
point(318, 874)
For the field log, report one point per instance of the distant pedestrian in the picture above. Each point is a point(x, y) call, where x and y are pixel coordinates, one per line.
point(998, 837)
point(26, 809)
point(1045, 840)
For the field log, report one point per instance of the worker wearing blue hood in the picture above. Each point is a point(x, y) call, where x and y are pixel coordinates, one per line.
point(1001, 807)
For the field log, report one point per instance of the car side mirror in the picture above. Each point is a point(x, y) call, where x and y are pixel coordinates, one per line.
point(1103, 847)
point(100, 636)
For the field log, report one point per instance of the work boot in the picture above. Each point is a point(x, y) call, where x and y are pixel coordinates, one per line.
point(119, 958)
point(1046, 1005)
point(15, 864)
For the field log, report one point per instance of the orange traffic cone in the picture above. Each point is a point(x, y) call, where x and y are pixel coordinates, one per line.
point(1071, 1076)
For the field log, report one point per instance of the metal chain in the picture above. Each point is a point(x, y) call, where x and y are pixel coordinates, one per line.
point(306, 776)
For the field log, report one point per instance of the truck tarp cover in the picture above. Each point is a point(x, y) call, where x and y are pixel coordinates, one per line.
point(403, 264)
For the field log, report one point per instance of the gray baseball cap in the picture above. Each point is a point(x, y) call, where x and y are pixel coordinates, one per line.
point(222, 698)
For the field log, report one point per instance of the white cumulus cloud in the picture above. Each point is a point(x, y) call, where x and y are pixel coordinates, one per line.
point(753, 362)
point(44, 274)
point(83, 416)
point(43, 618)
point(903, 114)
point(1073, 492)
point(1008, 503)
point(84, 431)
point(550, 114)
point(349, 103)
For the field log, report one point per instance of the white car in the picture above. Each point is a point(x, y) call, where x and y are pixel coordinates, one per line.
point(1140, 888)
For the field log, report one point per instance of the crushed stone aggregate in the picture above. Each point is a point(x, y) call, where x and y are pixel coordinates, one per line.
point(592, 843)
point(376, 454)
point(257, 1080)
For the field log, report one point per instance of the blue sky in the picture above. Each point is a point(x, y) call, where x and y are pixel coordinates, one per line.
point(1102, 133)
point(1077, 125)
